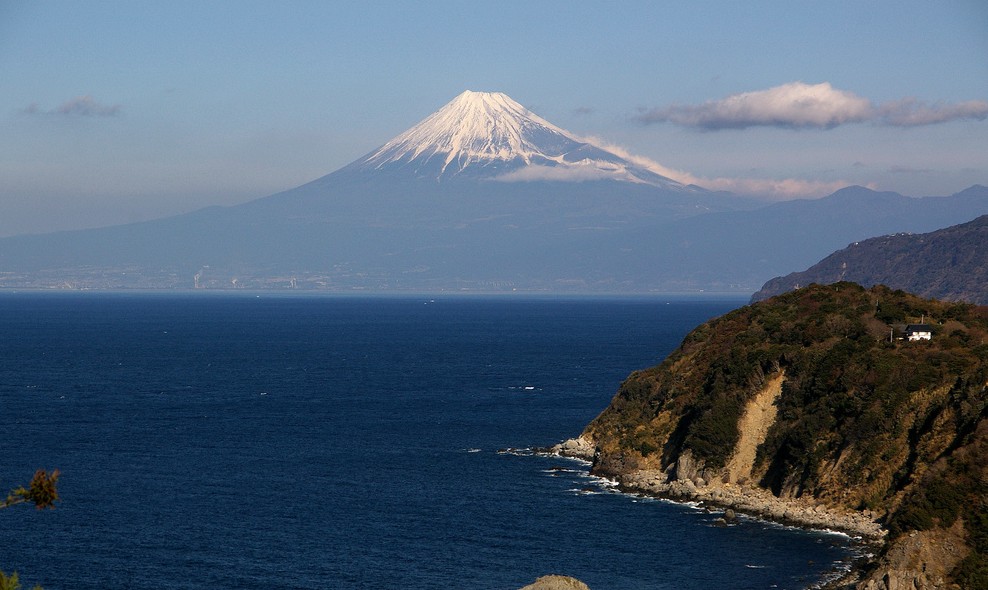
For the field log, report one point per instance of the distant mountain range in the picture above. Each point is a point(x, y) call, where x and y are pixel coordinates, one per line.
point(481, 196)
point(949, 264)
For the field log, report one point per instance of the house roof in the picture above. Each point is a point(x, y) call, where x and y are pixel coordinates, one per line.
point(919, 328)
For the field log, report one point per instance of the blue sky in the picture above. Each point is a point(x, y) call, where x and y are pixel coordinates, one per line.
point(122, 111)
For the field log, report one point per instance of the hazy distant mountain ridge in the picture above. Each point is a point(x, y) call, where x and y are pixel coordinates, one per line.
point(435, 209)
point(729, 250)
point(949, 264)
point(488, 135)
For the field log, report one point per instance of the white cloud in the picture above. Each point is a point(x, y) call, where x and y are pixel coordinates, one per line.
point(910, 112)
point(648, 164)
point(556, 173)
point(770, 188)
point(791, 105)
point(800, 105)
point(776, 189)
point(766, 188)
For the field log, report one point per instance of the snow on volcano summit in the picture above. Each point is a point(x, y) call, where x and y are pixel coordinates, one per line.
point(488, 135)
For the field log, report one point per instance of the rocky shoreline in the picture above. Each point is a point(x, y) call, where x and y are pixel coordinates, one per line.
point(757, 502)
point(746, 499)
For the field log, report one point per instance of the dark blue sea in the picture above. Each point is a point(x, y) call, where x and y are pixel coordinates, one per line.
point(272, 441)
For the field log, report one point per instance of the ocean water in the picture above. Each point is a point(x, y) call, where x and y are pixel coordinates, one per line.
point(261, 441)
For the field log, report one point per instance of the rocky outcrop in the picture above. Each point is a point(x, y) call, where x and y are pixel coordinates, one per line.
point(578, 448)
point(920, 559)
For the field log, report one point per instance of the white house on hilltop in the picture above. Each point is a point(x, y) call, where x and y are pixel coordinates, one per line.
point(916, 332)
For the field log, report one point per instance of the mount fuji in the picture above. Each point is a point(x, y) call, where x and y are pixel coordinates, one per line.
point(481, 196)
point(489, 136)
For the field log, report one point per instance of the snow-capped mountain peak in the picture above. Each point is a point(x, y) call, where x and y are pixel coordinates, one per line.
point(477, 126)
point(488, 135)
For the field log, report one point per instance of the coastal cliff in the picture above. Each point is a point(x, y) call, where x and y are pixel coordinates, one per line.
point(813, 408)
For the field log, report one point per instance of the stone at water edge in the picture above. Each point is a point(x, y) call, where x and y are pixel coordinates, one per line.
point(556, 582)
point(575, 447)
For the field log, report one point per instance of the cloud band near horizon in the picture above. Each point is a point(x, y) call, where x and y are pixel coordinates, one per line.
point(769, 188)
point(798, 105)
